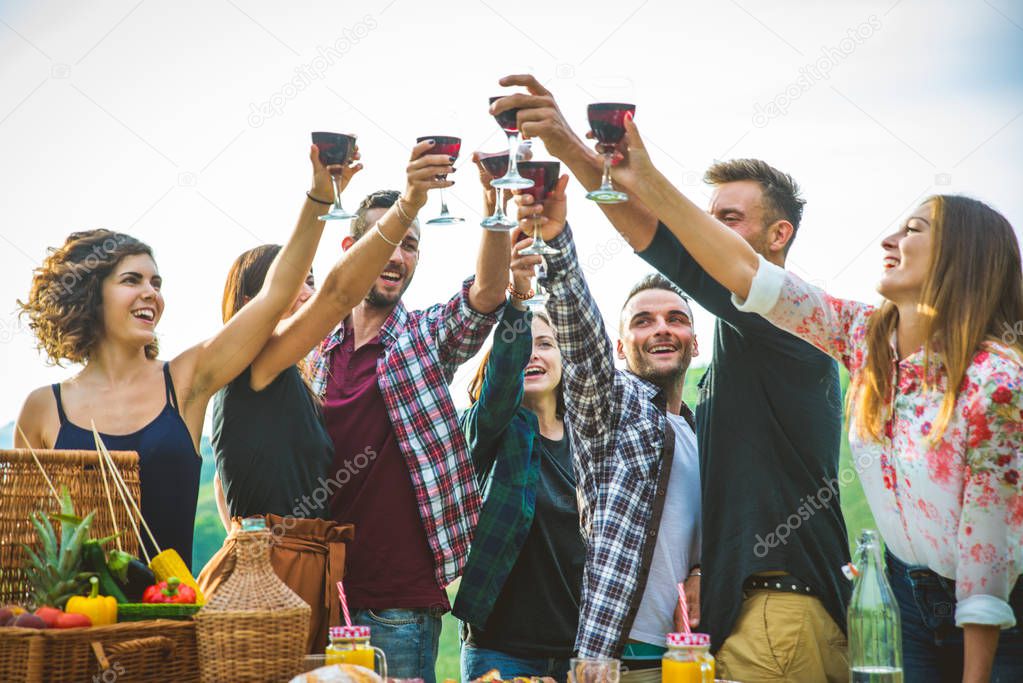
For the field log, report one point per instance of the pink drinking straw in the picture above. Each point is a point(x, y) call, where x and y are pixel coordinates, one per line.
point(681, 603)
point(344, 604)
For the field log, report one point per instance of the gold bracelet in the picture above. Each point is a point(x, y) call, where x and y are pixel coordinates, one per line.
point(401, 212)
point(376, 228)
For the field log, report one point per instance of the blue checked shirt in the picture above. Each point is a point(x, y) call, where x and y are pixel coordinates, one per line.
point(623, 448)
point(423, 350)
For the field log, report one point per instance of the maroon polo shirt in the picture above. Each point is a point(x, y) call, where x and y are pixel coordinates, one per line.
point(389, 564)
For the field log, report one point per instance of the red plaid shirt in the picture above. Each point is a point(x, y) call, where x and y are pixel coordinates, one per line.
point(423, 350)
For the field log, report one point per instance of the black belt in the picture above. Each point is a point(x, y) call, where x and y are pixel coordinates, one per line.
point(785, 583)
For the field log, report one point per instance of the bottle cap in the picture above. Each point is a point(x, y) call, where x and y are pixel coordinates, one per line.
point(688, 640)
point(349, 632)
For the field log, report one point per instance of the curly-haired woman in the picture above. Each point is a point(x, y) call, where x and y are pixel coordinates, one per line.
point(96, 301)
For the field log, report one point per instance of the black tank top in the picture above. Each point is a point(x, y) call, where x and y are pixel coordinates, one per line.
point(168, 469)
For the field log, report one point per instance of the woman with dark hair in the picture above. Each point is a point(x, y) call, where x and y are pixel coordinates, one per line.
point(935, 408)
point(520, 588)
point(97, 300)
point(273, 451)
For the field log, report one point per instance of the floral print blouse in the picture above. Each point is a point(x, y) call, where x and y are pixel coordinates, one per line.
point(954, 505)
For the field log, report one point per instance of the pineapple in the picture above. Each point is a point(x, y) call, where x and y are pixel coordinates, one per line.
point(55, 573)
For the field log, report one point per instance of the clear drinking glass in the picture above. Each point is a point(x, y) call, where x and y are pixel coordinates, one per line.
point(594, 670)
point(607, 121)
point(511, 180)
point(335, 149)
point(443, 144)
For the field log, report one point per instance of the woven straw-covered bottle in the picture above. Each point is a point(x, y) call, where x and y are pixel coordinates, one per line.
point(254, 628)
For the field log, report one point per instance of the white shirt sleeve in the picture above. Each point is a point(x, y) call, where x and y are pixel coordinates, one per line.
point(764, 290)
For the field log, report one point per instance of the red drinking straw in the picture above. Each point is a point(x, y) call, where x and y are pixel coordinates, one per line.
point(344, 604)
point(685, 608)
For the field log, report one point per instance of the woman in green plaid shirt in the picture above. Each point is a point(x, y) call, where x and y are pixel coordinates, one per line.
point(519, 594)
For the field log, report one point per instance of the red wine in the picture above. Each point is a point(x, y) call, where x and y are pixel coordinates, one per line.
point(544, 175)
point(607, 120)
point(443, 144)
point(335, 148)
point(495, 163)
point(507, 119)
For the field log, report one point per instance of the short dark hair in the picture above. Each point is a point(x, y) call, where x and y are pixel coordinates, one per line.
point(653, 281)
point(381, 199)
point(782, 200)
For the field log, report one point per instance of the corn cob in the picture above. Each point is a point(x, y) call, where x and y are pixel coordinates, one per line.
point(167, 564)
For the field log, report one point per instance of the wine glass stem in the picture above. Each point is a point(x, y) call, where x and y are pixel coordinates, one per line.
point(513, 152)
point(538, 233)
point(443, 203)
point(605, 181)
point(499, 205)
point(337, 192)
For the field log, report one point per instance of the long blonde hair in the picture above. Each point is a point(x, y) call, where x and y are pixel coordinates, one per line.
point(974, 291)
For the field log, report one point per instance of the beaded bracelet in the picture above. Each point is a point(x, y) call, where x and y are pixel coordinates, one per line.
point(519, 295)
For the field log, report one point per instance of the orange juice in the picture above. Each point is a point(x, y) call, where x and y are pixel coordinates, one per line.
point(674, 671)
point(688, 659)
point(360, 655)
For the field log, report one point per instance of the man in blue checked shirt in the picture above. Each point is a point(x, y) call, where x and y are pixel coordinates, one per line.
point(635, 453)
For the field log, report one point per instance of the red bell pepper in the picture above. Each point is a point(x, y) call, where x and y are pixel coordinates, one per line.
point(170, 591)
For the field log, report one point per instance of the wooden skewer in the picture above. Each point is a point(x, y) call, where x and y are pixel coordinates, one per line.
point(110, 500)
point(124, 487)
point(39, 465)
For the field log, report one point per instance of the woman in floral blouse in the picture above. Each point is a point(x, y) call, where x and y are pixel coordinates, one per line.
point(935, 402)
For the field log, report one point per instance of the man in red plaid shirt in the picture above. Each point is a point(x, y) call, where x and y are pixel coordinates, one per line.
point(402, 473)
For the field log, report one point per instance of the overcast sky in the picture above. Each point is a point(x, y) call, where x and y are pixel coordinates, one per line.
point(187, 124)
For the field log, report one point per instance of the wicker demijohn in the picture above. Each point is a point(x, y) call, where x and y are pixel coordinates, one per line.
point(254, 627)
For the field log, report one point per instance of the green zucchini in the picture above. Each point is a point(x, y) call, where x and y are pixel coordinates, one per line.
point(96, 561)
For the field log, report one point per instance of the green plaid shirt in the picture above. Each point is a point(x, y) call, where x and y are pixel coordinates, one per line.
point(502, 437)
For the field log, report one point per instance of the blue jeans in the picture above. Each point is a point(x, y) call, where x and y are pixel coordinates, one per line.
point(476, 661)
point(932, 645)
point(408, 638)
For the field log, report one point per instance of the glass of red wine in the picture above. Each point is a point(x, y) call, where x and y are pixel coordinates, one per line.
point(607, 121)
point(335, 149)
point(443, 144)
point(544, 176)
point(496, 164)
point(508, 121)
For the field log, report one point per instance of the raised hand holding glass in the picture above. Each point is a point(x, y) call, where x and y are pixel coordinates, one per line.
point(607, 121)
point(508, 120)
point(544, 176)
point(335, 149)
point(443, 144)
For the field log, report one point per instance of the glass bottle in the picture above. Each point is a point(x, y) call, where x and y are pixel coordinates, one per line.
point(350, 645)
point(875, 631)
point(688, 659)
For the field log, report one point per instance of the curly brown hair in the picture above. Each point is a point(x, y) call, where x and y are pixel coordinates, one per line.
point(65, 303)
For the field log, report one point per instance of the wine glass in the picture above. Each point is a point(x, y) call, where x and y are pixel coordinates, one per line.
point(443, 144)
point(544, 176)
point(496, 164)
point(511, 180)
point(335, 149)
point(607, 121)
point(538, 302)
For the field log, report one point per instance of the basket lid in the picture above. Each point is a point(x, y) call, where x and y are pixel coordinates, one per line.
point(349, 632)
point(688, 640)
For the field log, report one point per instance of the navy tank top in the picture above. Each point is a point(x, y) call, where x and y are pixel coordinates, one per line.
point(168, 470)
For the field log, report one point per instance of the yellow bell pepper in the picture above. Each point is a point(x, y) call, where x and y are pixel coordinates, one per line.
point(102, 610)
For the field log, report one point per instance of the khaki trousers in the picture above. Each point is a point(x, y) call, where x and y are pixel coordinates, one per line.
point(783, 637)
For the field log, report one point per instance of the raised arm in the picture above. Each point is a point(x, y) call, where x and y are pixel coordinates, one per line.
point(486, 420)
point(216, 361)
point(350, 279)
point(726, 256)
point(539, 116)
point(589, 372)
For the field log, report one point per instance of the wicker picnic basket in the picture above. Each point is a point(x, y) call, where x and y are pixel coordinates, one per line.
point(137, 652)
point(25, 489)
point(253, 628)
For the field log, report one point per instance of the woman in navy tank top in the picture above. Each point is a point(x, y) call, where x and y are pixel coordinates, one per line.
point(96, 301)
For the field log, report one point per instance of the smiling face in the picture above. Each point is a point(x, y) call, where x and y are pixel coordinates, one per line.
point(657, 340)
point(132, 302)
point(908, 255)
point(543, 372)
point(397, 274)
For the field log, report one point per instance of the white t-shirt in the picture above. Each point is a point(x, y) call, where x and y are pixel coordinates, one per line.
point(678, 540)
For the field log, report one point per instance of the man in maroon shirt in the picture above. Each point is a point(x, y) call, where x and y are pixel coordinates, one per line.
point(401, 467)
